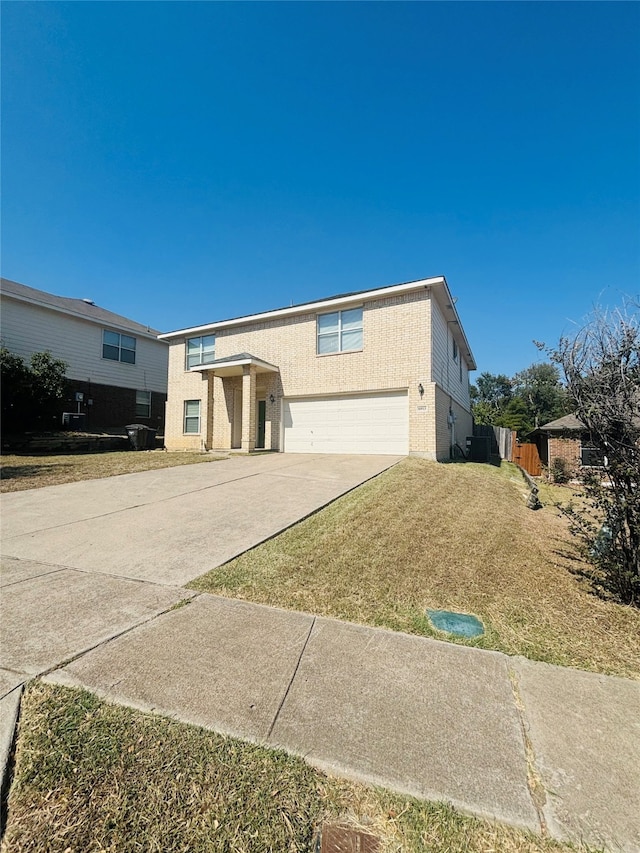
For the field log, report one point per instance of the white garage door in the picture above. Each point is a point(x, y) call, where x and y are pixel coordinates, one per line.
point(363, 423)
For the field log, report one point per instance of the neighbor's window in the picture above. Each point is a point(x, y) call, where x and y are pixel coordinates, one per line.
point(117, 347)
point(192, 416)
point(340, 331)
point(591, 457)
point(454, 349)
point(143, 404)
point(201, 350)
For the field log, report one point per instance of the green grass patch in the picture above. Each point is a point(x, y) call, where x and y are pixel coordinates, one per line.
point(95, 777)
point(444, 537)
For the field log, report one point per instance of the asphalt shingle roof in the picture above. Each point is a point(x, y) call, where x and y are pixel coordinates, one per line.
point(82, 307)
point(568, 422)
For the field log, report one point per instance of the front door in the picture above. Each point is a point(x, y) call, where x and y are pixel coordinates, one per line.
point(262, 416)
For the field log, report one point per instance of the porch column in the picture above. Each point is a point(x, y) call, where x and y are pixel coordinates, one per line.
point(248, 407)
point(209, 410)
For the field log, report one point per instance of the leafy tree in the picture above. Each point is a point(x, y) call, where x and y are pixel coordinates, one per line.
point(516, 416)
point(48, 381)
point(490, 397)
point(533, 397)
point(601, 364)
point(30, 392)
point(540, 388)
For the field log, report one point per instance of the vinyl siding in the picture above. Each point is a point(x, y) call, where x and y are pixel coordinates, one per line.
point(446, 371)
point(27, 328)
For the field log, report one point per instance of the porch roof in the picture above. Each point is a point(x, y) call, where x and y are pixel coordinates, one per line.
point(233, 365)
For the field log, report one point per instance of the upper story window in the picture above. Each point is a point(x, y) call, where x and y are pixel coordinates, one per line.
point(201, 350)
point(454, 350)
point(340, 331)
point(117, 347)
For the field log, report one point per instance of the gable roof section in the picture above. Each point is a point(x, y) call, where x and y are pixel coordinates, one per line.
point(568, 423)
point(438, 285)
point(82, 308)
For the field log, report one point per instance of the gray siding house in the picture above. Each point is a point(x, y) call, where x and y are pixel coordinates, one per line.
point(117, 368)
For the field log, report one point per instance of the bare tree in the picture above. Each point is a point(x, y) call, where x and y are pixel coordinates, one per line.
point(601, 365)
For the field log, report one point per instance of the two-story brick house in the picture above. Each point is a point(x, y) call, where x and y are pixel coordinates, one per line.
point(116, 367)
point(378, 371)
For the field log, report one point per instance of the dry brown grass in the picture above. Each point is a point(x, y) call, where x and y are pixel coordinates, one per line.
point(455, 537)
point(33, 472)
point(96, 777)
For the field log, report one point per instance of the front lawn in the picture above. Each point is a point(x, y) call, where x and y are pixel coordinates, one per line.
point(32, 472)
point(456, 537)
point(96, 777)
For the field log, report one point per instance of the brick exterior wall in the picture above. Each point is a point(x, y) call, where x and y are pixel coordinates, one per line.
point(567, 449)
point(112, 408)
point(396, 355)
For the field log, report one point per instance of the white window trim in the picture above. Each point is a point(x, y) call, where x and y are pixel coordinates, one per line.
point(186, 417)
point(339, 351)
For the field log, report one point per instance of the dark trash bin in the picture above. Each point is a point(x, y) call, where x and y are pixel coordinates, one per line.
point(141, 437)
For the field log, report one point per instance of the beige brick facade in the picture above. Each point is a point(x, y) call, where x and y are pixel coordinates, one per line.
point(396, 355)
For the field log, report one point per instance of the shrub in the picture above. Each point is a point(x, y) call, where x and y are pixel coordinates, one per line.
point(30, 392)
point(560, 470)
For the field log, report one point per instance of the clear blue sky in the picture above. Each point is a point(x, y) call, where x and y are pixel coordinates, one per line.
point(183, 162)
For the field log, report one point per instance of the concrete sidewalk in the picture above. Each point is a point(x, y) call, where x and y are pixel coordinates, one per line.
point(478, 729)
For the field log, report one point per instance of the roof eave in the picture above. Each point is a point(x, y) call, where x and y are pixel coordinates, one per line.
point(308, 307)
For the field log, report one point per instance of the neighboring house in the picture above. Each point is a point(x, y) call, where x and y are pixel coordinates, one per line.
point(378, 371)
point(567, 438)
point(117, 369)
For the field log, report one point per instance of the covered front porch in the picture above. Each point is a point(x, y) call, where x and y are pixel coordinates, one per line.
point(244, 403)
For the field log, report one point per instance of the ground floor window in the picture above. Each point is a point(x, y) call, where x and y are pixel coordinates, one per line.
point(143, 404)
point(592, 457)
point(192, 416)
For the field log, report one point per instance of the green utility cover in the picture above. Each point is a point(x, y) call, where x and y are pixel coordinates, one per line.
point(461, 624)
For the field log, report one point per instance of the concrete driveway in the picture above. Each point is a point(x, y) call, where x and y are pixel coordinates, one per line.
point(171, 525)
point(85, 562)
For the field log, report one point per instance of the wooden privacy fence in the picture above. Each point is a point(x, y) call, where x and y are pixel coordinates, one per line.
point(503, 443)
point(526, 456)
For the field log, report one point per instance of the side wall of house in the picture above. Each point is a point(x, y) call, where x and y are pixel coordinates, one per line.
point(567, 449)
point(450, 377)
point(110, 385)
point(451, 374)
point(112, 408)
point(27, 328)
